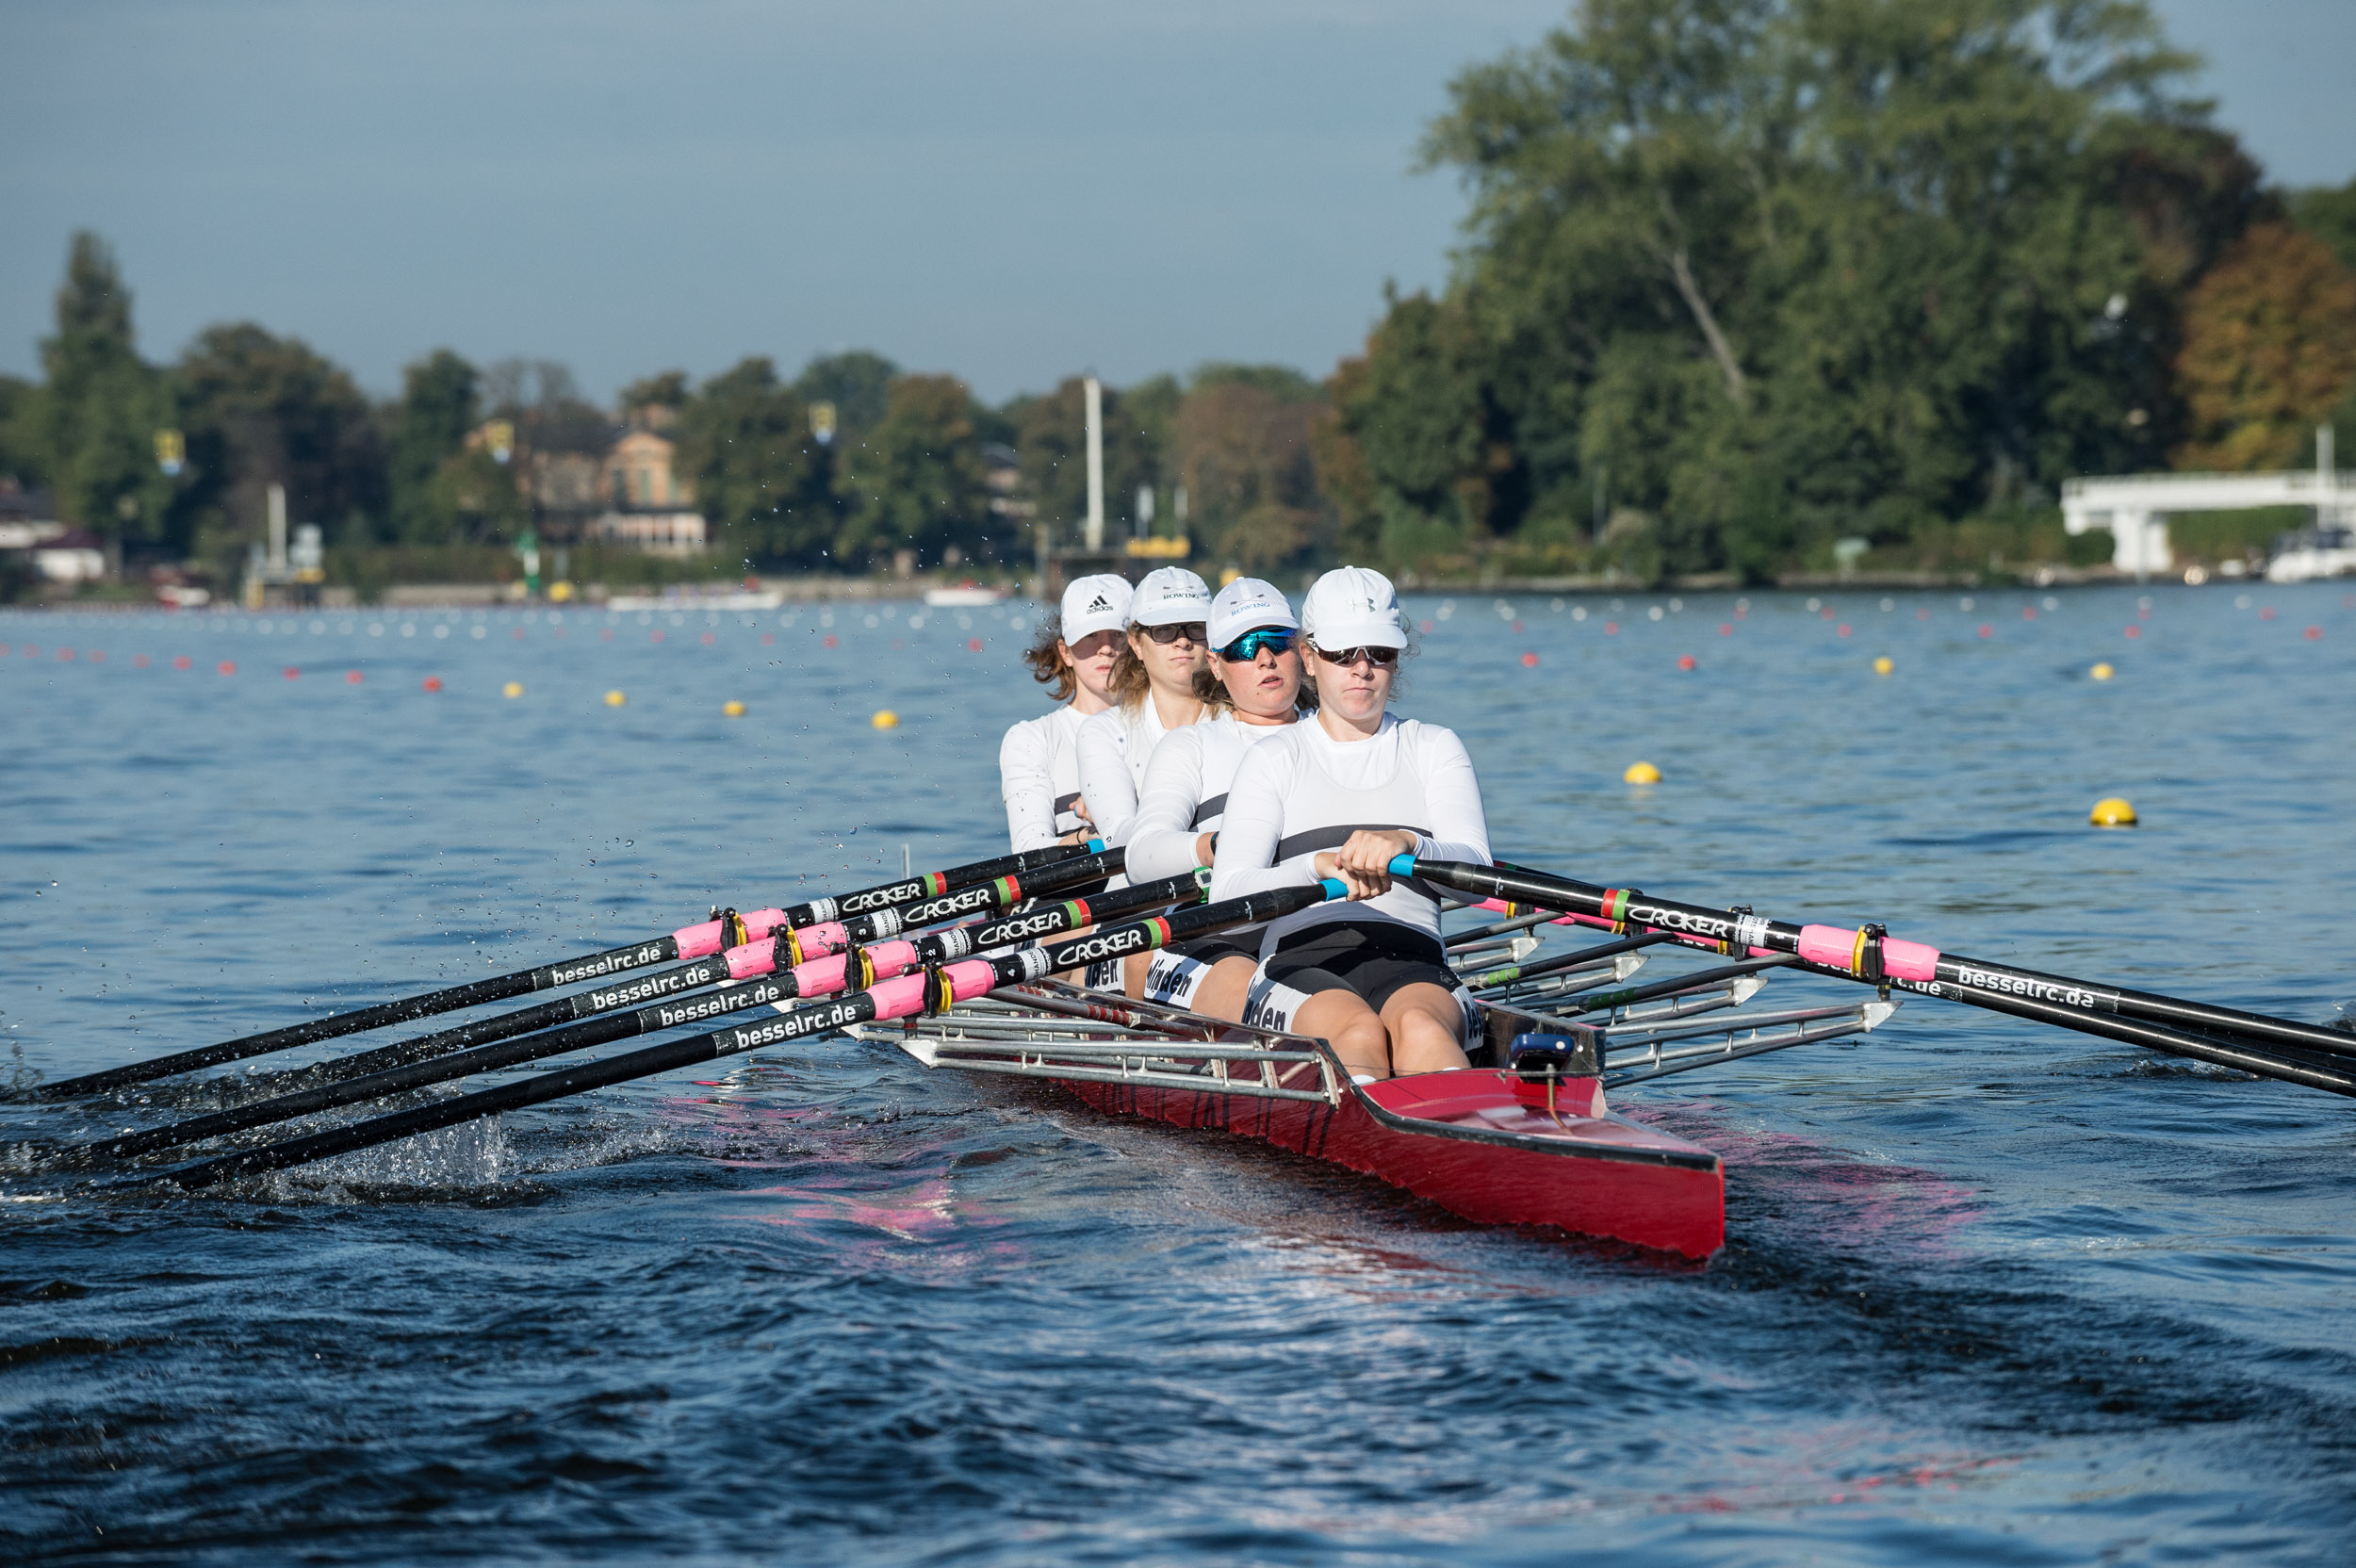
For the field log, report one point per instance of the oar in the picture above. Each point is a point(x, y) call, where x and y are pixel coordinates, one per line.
point(725, 930)
point(928, 990)
point(816, 977)
point(2316, 1057)
point(786, 947)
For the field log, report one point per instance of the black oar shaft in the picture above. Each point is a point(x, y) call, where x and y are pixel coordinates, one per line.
point(400, 1080)
point(2246, 1058)
point(818, 1017)
point(994, 893)
point(545, 977)
point(399, 1077)
point(2000, 987)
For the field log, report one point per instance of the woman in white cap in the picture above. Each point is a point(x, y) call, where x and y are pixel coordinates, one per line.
point(1250, 691)
point(1339, 796)
point(1153, 693)
point(1038, 761)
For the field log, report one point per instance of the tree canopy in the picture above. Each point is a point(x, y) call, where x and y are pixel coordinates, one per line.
point(1766, 271)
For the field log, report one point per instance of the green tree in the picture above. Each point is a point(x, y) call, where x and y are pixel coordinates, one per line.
point(440, 402)
point(858, 382)
point(2328, 213)
point(917, 481)
point(1050, 433)
point(1241, 444)
point(1770, 270)
point(100, 405)
point(759, 475)
point(263, 410)
point(656, 399)
point(21, 457)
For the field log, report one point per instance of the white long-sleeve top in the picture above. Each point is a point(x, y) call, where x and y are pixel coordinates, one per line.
point(1185, 793)
point(1114, 746)
point(1039, 775)
point(1300, 791)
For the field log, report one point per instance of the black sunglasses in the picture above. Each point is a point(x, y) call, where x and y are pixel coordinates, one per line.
point(1381, 659)
point(1193, 631)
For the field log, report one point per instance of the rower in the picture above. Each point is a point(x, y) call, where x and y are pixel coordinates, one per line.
point(1250, 690)
point(1039, 762)
point(1339, 796)
point(1153, 693)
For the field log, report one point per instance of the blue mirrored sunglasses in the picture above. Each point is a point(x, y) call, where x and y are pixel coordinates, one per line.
point(1276, 639)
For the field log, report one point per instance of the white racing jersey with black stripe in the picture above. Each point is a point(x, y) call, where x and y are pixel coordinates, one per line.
point(1184, 795)
point(1300, 791)
point(1039, 776)
point(1114, 747)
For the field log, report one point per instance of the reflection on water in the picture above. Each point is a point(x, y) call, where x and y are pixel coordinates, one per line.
point(1989, 1292)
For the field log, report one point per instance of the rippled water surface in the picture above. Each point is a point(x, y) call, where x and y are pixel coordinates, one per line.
point(1991, 1292)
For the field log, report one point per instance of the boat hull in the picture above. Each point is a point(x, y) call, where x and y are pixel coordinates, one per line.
point(1482, 1144)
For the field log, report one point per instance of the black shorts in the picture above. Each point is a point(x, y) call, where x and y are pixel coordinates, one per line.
point(1373, 960)
point(1210, 950)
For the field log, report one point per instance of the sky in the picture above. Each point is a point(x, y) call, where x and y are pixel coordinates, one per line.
point(1015, 191)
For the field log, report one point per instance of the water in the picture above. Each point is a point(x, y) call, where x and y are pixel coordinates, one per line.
point(1991, 1291)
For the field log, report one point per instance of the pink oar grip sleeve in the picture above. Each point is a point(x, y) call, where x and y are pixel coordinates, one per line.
point(893, 958)
point(827, 938)
point(751, 958)
point(1832, 945)
point(821, 976)
point(696, 940)
point(1908, 960)
point(901, 997)
point(973, 978)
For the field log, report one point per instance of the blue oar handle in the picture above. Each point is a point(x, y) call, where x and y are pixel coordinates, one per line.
point(1402, 865)
point(1333, 888)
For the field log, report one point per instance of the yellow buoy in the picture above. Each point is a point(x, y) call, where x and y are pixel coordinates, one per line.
point(885, 719)
point(2102, 672)
point(1641, 772)
point(2112, 812)
point(512, 689)
point(1884, 664)
point(615, 699)
point(560, 593)
point(734, 710)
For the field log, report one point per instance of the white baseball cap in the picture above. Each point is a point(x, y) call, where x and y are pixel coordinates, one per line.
point(1245, 605)
point(1094, 604)
point(1168, 595)
point(1352, 606)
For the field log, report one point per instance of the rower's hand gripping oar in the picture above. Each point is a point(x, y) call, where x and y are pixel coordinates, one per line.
point(768, 981)
point(931, 989)
point(725, 930)
point(2252, 1043)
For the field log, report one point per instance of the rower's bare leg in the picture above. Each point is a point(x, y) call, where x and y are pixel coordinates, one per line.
point(1133, 969)
point(1343, 1020)
point(1224, 989)
point(1427, 1030)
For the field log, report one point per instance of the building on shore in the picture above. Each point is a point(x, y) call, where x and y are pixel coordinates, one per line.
point(32, 535)
point(648, 505)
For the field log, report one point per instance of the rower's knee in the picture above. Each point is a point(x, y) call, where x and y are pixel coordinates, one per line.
point(1364, 1044)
